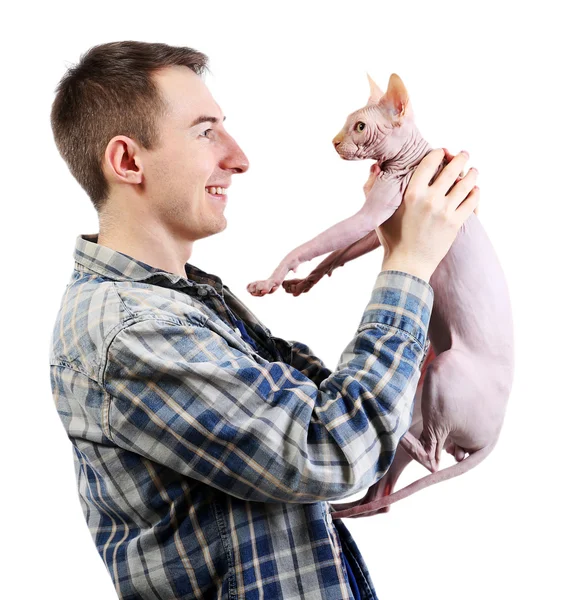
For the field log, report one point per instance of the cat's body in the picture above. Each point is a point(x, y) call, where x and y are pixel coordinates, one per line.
point(465, 388)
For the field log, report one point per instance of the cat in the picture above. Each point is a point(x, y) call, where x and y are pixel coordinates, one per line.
point(463, 392)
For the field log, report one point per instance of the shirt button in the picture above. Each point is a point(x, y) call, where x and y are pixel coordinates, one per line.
point(329, 519)
point(202, 292)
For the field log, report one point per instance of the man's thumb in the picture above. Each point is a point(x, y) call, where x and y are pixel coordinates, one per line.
point(375, 170)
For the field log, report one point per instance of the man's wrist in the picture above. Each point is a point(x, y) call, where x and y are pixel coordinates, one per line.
point(396, 263)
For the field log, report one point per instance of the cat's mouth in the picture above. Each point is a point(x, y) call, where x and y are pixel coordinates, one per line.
point(348, 153)
point(351, 151)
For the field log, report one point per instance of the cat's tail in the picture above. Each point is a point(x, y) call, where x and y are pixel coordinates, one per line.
point(372, 506)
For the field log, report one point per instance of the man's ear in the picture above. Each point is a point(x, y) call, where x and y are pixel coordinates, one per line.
point(122, 160)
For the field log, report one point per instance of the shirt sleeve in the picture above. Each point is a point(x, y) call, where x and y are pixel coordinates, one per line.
point(180, 395)
point(301, 357)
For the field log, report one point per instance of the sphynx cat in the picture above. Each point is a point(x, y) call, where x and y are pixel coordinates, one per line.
point(467, 376)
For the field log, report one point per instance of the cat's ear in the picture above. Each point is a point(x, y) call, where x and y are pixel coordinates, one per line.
point(376, 92)
point(395, 102)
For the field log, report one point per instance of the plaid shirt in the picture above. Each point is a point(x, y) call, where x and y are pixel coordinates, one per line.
point(205, 462)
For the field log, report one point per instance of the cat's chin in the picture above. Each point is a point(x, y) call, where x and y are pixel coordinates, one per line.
point(349, 156)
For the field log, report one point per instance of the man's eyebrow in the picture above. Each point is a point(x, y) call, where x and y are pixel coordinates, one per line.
point(204, 119)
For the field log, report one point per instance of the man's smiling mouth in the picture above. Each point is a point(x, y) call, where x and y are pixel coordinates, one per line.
point(216, 191)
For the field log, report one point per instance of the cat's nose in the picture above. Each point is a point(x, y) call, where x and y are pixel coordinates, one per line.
point(336, 144)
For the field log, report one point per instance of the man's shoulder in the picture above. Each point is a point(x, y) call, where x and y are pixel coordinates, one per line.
point(94, 309)
point(145, 300)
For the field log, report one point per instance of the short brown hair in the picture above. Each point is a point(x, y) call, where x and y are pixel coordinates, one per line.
point(111, 92)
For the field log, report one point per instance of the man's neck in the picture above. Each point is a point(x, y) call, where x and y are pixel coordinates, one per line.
point(149, 250)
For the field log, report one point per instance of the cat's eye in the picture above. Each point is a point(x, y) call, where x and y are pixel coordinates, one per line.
point(359, 126)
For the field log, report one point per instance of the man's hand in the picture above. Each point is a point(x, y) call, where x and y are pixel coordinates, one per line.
point(375, 170)
point(448, 157)
point(420, 232)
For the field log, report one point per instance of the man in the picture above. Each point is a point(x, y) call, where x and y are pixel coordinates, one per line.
point(206, 449)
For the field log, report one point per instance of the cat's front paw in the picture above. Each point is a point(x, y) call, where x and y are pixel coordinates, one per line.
point(298, 286)
point(260, 288)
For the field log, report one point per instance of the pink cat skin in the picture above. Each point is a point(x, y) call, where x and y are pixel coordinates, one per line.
point(467, 376)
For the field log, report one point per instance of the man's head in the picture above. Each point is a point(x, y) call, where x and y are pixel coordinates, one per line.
point(125, 120)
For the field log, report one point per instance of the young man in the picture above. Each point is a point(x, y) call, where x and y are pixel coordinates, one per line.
point(206, 449)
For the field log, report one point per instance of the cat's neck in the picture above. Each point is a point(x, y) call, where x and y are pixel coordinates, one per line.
point(411, 152)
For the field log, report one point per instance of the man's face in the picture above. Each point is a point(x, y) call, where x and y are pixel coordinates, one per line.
point(192, 158)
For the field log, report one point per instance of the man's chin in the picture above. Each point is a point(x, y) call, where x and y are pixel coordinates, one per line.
point(221, 225)
point(216, 227)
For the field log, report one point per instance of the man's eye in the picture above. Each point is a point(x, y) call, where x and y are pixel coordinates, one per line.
point(205, 132)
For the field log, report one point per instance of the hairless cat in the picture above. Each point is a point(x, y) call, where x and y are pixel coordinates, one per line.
point(467, 376)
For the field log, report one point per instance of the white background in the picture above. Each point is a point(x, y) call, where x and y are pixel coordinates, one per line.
point(485, 77)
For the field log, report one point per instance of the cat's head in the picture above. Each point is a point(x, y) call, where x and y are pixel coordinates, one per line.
point(379, 129)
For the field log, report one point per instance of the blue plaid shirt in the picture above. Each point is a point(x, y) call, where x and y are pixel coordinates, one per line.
point(206, 450)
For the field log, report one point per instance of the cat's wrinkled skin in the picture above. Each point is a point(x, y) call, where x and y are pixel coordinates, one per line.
point(465, 388)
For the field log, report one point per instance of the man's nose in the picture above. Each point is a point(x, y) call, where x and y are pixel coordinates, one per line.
point(234, 159)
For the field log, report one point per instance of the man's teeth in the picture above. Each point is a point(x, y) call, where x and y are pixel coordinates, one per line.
point(216, 190)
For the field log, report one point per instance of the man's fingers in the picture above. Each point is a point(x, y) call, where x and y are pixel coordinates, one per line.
point(449, 173)
point(427, 168)
point(448, 157)
point(448, 154)
point(468, 205)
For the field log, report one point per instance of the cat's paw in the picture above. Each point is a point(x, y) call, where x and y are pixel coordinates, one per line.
point(263, 287)
point(298, 286)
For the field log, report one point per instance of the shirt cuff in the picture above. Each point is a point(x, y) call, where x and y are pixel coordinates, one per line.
point(400, 300)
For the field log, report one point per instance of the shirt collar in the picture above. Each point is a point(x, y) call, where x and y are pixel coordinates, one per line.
point(91, 256)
